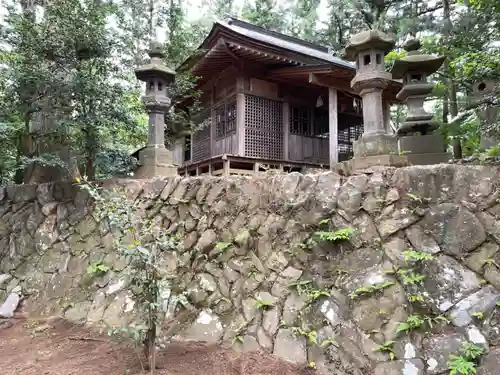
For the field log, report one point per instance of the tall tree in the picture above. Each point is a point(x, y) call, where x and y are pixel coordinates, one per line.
point(68, 75)
point(222, 8)
point(302, 18)
point(265, 13)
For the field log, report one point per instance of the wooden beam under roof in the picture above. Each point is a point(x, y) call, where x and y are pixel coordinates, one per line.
point(260, 55)
point(317, 80)
point(294, 71)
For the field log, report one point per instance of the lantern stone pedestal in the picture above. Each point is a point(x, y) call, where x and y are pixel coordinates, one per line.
point(423, 149)
point(378, 149)
point(375, 147)
point(155, 162)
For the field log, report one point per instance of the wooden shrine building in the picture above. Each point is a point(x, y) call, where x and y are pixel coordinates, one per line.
point(272, 100)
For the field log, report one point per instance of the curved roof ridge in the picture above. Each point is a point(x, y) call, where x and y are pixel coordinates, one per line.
point(241, 23)
point(283, 41)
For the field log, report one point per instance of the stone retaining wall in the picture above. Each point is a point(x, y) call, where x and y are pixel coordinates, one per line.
point(330, 302)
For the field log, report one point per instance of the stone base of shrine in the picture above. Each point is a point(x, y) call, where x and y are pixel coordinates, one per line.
point(375, 145)
point(424, 149)
point(429, 159)
point(365, 162)
point(155, 162)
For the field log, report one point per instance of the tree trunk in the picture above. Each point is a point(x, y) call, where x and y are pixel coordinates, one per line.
point(151, 21)
point(90, 165)
point(451, 98)
point(446, 109)
point(457, 142)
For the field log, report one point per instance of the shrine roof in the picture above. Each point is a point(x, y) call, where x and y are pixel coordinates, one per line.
point(282, 48)
point(321, 53)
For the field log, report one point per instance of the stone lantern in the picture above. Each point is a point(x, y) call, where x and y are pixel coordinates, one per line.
point(155, 159)
point(480, 90)
point(376, 146)
point(414, 69)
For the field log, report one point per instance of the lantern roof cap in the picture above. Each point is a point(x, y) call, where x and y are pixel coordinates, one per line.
point(416, 61)
point(368, 39)
point(155, 67)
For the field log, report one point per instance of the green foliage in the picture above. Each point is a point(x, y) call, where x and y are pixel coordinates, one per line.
point(461, 365)
point(314, 294)
point(302, 286)
point(387, 347)
point(391, 58)
point(471, 350)
point(493, 151)
point(223, 245)
point(416, 298)
point(264, 13)
point(145, 245)
point(478, 315)
point(409, 277)
point(312, 337)
point(264, 304)
point(114, 162)
point(306, 287)
point(67, 90)
point(371, 289)
point(412, 322)
point(97, 268)
point(416, 198)
point(439, 319)
point(239, 339)
point(466, 363)
point(417, 256)
point(337, 235)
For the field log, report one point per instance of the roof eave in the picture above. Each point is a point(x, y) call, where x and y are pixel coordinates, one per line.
point(219, 29)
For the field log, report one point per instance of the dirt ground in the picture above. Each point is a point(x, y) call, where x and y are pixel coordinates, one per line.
point(55, 347)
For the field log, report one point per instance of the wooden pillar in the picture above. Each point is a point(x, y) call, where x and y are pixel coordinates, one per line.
point(226, 166)
point(333, 126)
point(286, 130)
point(212, 132)
point(240, 123)
point(191, 149)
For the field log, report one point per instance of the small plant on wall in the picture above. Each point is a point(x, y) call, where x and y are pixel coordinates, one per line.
point(97, 268)
point(467, 361)
point(146, 243)
point(336, 235)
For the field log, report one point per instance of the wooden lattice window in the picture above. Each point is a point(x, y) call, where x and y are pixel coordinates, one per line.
point(225, 119)
point(321, 127)
point(347, 136)
point(220, 120)
point(187, 148)
point(231, 117)
point(201, 144)
point(263, 127)
point(308, 121)
point(300, 121)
